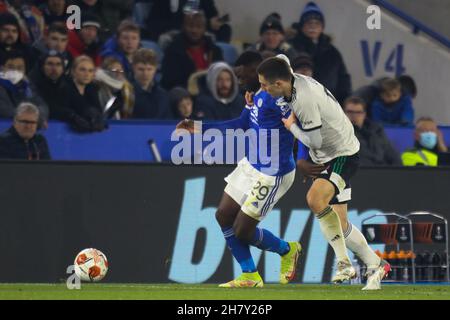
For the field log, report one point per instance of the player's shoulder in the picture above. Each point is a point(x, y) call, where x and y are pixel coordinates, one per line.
point(263, 98)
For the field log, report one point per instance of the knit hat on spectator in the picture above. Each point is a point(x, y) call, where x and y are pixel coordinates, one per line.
point(7, 18)
point(51, 54)
point(90, 20)
point(269, 23)
point(310, 12)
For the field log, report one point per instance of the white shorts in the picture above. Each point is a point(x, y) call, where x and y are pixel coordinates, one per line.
point(256, 192)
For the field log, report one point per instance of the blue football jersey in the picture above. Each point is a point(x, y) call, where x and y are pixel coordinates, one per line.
point(265, 115)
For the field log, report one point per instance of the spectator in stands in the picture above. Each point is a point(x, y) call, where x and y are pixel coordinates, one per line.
point(55, 11)
point(30, 19)
point(57, 40)
point(110, 12)
point(51, 84)
point(21, 141)
point(10, 40)
point(151, 101)
point(82, 95)
point(428, 144)
point(166, 16)
point(220, 98)
point(85, 41)
point(376, 148)
point(369, 92)
point(181, 103)
point(124, 45)
point(391, 106)
point(272, 37)
point(190, 51)
point(303, 64)
point(329, 66)
point(112, 83)
point(15, 88)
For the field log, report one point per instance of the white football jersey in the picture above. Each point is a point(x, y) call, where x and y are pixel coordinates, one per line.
point(315, 107)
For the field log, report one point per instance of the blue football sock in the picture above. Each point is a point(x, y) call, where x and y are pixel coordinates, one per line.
point(239, 250)
point(266, 240)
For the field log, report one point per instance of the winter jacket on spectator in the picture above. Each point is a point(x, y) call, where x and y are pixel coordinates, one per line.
point(210, 106)
point(399, 113)
point(376, 149)
point(329, 67)
point(178, 65)
point(87, 112)
point(152, 103)
point(76, 47)
point(54, 93)
point(12, 146)
point(12, 95)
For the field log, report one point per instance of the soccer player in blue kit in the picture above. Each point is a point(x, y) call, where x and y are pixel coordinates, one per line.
point(254, 187)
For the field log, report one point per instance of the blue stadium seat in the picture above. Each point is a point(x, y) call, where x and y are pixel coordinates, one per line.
point(230, 53)
point(154, 46)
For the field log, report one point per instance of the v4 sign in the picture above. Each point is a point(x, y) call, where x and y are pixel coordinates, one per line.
point(371, 58)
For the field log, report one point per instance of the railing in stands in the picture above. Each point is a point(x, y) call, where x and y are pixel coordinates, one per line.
point(417, 25)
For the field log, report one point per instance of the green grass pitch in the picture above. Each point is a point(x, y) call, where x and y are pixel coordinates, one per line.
point(212, 292)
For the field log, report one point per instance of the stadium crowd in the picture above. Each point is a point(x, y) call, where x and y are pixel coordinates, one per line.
point(158, 59)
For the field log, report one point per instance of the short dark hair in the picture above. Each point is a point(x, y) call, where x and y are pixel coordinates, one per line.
point(12, 55)
point(248, 58)
point(389, 84)
point(128, 26)
point(355, 100)
point(273, 69)
point(58, 27)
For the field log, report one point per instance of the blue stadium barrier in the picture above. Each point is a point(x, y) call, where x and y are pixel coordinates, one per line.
point(416, 24)
point(128, 140)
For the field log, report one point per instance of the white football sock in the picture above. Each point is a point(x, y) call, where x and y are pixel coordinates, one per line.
point(332, 230)
point(356, 242)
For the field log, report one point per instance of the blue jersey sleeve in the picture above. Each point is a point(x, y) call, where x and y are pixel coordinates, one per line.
point(238, 123)
point(408, 111)
point(303, 151)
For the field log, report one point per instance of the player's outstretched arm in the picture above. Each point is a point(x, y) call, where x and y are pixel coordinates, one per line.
point(312, 139)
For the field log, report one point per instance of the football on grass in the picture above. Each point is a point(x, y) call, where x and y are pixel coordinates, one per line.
point(91, 265)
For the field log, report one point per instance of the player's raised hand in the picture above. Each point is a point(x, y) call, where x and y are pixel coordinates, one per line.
point(249, 98)
point(289, 121)
point(186, 124)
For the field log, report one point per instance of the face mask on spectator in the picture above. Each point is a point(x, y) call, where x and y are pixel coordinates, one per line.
point(428, 139)
point(13, 76)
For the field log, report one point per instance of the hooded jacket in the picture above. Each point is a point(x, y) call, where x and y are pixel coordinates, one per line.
point(329, 66)
point(209, 105)
point(54, 93)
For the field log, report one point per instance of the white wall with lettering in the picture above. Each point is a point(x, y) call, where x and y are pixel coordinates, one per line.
point(368, 54)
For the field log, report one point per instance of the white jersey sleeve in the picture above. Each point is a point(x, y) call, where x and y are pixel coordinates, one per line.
point(316, 108)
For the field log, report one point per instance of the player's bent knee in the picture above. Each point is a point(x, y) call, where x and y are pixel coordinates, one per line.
point(315, 201)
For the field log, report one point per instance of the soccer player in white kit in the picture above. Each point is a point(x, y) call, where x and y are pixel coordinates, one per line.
point(329, 135)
